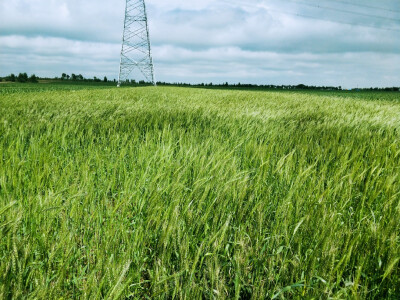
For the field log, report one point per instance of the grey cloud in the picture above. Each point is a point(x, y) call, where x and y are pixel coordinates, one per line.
point(261, 31)
point(270, 67)
point(212, 40)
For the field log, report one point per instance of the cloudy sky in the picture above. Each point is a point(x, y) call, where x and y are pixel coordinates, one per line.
point(316, 42)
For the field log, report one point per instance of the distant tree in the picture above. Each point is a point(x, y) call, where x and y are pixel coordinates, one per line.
point(22, 77)
point(68, 77)
point(73, 76)
point(80, 77)
point(10, 77)
point(33, 79)
point(63, 76)
point(105, 79)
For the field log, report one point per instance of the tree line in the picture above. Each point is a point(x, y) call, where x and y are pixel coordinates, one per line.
point(79, 77)
point(276, 87)
point(24, 78)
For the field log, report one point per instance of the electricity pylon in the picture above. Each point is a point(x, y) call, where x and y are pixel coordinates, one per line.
point(136, 49)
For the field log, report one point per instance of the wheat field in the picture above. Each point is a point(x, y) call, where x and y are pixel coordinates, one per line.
point(180, 193)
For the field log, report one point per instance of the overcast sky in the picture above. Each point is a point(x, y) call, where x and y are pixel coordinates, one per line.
point(315, 42)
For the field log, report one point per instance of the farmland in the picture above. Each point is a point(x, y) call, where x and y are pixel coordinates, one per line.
point(163, 192)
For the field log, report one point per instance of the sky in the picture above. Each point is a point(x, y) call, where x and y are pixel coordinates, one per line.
point(344, 43)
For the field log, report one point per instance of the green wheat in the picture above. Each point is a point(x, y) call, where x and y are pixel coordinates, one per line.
point(198, 194)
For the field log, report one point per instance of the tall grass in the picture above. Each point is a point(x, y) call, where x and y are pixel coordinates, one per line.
point(191, 193)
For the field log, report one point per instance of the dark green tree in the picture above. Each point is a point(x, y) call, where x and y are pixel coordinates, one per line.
point(10, 77)
point(33, 79)
point(22, 77)
point(105, 79)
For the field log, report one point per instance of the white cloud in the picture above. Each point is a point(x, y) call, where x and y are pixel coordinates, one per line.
point(47, 56)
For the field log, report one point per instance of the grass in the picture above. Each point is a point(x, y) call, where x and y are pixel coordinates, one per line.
point(191, 193)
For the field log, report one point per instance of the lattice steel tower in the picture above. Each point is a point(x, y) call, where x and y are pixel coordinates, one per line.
point(136, 49)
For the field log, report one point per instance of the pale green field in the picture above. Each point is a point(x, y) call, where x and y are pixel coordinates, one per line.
point(198, 194)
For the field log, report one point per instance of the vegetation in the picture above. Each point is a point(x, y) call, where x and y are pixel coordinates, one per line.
point(22, 78)
point(197, 193)
point(75, 79)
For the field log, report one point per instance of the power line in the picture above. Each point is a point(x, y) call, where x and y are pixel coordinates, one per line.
point(345, 11)
point(326, 20)
point(367, 6)
point(313, 17)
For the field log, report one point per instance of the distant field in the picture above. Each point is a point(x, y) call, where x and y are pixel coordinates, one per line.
point(192, 193)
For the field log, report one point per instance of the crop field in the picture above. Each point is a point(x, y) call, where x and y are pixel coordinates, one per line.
point(166, 192)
